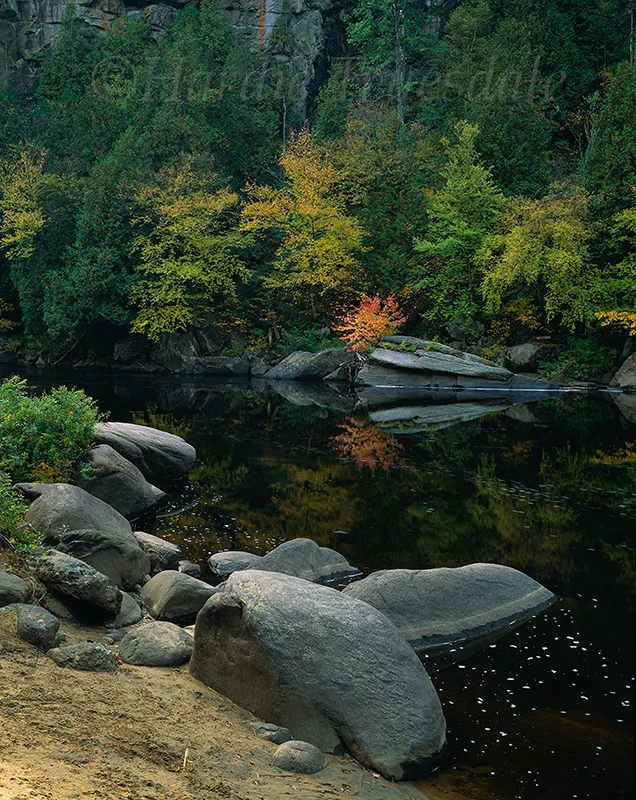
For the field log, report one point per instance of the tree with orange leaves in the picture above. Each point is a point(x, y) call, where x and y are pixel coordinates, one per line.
point(371, 320)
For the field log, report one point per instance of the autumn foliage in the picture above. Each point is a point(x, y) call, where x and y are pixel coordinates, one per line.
point(366, 445)
point(371, 320)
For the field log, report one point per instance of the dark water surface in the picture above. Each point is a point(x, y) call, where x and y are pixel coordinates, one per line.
point(547, 487)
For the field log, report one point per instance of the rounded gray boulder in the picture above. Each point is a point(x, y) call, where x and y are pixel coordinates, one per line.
point(160, 456)
point(115, 554)
point(35, 625)
point(13, 589)
point(157, 644)
point(162, 554)
point(435, 607)
point(301, 757)
point(118, 482)
point(331, 669)
point(175, 597)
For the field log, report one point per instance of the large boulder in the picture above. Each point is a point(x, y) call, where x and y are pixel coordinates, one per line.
point(89, 593)
point(118, 482)
point(625, 378)
point(526, 357)
point(302, 558)
point(158, 644)
point(33, 624)
point(117, 555)
point(162, 554)
point(218, 365)
point(13, 589)
point(434, 607)
point(330, 668)
point(173, 350)
point(58, 507)
point(436, 361)
point(159, 455)
point(175, 597)
point(302, 366)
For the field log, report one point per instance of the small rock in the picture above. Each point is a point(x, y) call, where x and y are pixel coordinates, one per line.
point(273, 733)
point(86, 656)
point(190, 568)
point(13, 589)
point(158, 644)
point(129, 614)
point(163, 554)
point(302, 757)
point(175, 597)
point(35, 625)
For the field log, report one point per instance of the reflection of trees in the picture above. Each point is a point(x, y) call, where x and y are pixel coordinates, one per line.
point(366, 445)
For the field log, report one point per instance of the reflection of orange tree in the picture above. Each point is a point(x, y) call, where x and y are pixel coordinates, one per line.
point(367, 445)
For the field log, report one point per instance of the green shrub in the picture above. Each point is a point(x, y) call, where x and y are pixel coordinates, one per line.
point(42, 436)
point(12, 507)
point(312, 341)
point(581, 357)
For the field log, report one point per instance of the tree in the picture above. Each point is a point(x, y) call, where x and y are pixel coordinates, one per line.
point(618, 281)
point(319, 240)
point(369, 321)
point(187, 249)
point(542, 247)
point(461, 215)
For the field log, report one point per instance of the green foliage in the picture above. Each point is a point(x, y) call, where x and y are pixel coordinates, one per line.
point(542, 248)
point(188, 250)
point(461, 215)
point(42, 436)
point(582, 358)
point(12, 507)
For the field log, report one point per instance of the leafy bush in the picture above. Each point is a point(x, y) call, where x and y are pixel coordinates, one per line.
point(310, 340)
point(371, 320)
point(581, 357)
point(42, 436)
point(12, 507)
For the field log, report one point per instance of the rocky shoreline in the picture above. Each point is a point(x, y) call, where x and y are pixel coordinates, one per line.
point(328, 671)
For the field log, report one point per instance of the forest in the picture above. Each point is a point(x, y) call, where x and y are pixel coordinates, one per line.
point(474, 178)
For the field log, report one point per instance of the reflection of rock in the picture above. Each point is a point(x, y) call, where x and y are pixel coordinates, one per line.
point(306, 393)
point(302, 558)
point(521, 413)
point(412, 419)
point(327, 667)
point(626, 404)
point(435, 607)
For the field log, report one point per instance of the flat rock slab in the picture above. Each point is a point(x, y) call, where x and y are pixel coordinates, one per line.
point(58, 507)
point(175, 597)
point(303, 366)
point(115, 554)
point(162, 554)
point(95, 594)
point(32, 624)
point(413, 419)
point(118, 482)
point(160, 456)
point(300, 757)
point(435, 607)
point(331, 669)
point(439, 362)
point(86, 656)
point(13, 589)
point(302, 558)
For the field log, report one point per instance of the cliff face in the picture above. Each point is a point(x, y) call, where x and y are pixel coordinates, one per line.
point(299, 35)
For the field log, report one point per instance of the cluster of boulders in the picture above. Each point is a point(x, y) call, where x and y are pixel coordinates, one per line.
point(331, 671)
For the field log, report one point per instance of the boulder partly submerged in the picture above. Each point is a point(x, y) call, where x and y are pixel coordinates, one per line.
point(303, 366)
point(302, 558)
point(331, 669)
point(436, 608)
point(160, 456)
point(58, 507)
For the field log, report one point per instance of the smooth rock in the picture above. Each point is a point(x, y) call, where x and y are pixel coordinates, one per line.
point(436, 362)
point(625, 378)
point(130, 348)
point(190, 568)
point(218, 365)
point(129, 613)
point(159, 455)
point(526, 357)
point(331, 669)
point(162, 554)
point(157, 644)
point(117, 555)
point(87, 656)
point(271, 733)
point(34, 625)
point(13, 589)
point(435, 607)
point(303, 366)
point(300, 757)
point(96, 593)
point(175, 597)
point(302, 558)
point(58, 507)
point(118, 482)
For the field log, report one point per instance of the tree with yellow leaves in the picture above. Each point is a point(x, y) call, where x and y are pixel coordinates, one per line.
point(188, 250)
point(318, 240)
